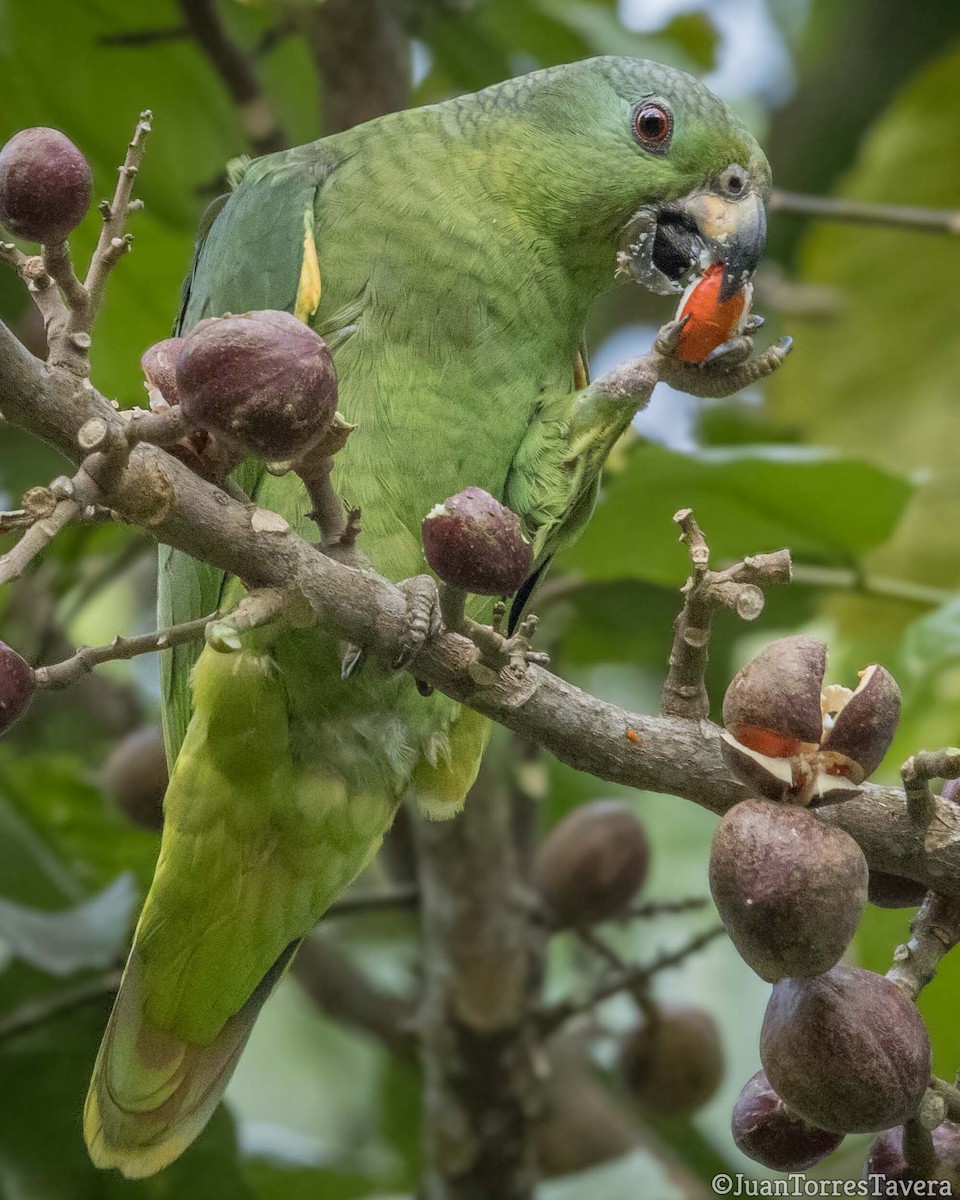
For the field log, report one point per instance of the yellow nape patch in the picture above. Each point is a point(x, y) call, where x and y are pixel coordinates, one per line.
point(310, 287)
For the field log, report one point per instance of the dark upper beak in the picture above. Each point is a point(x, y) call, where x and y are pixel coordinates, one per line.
point(734, 228)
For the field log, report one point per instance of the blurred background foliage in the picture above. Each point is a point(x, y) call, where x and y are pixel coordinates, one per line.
point(848, 458)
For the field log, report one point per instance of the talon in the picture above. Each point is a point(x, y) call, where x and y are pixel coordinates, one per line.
point(668, 337)
point(352, 661)
point(423, 616)
point(729, 354)
point(753, 323)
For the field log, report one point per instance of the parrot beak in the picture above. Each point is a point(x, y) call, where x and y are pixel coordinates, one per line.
point(662, 247)
point(734, 231)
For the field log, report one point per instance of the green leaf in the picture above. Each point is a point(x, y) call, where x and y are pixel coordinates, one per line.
point(45, 1070)
point(274, 1181)
point(90, 934)
point(823, 508)
point(882, 379)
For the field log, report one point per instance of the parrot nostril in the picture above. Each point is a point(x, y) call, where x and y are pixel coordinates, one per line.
point(735, 185)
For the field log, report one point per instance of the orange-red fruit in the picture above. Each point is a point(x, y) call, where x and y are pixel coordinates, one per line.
point(711, 321)
point(45, 185)
point(17, 685)
point(673, 1063)
point(592, 863)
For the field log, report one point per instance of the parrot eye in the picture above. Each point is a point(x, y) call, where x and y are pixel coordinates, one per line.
point(652, 125)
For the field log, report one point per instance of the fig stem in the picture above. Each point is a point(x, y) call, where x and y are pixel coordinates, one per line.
point(453, 606)
point(918, 1150)
point(916, 774)
point(934, 931)
point(57, 676)
point(739, 588)
point(163, 428)
point(951, 1097)
point(113, 242)
point(633, 977)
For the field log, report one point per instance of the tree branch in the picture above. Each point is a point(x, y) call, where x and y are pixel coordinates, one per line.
point(237, 70)
point(483, 961)
point(71, 670)
point(672, 755)
point(739, 587)
point(347, 996)
point(860, 212)
point(362, 55)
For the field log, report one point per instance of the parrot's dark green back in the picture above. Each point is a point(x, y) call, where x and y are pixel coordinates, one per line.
point(460, 249)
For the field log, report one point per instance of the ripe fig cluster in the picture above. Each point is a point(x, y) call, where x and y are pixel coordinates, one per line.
point(588, 870)
point(592, 864)
point(17, 685)
point(844, 1050)
point(263, 383)
point(472, 541)
point(45, 186)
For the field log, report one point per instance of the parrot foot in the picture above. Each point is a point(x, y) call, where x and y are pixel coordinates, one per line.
point(499, 652)
point(423, 616)
point(726, 370)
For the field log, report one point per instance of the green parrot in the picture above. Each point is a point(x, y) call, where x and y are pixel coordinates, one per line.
point(451, 256)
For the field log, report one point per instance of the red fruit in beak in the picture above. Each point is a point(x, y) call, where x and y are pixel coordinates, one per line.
point(711, 321)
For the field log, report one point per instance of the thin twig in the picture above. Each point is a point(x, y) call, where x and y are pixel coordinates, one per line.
point(59, 266)
point(347, 995)
point(236, 69)
point(60, 675)
point(38, 1012)
point(144, 37)
point(374, 902)
point(631, 978)
point(934, 931)
point(113, 242)
point(36, 539)
point(662, 908)
point(861, 212)
point(739, 587)
point(881, 586)
point(918, 771)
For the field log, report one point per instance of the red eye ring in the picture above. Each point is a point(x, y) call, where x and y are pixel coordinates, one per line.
point(652, 125)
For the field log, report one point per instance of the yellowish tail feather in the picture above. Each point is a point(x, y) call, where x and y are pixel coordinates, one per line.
point(151, 1093)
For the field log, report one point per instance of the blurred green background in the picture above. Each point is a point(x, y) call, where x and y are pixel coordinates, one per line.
point(847, 457)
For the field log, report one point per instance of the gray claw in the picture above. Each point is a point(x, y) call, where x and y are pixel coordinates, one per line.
point(423, 616)
point(352, 661)
point(753, 323)
point(669, 336)
point(729, 354)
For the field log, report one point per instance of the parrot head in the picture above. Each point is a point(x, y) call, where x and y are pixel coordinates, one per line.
point(664, 172)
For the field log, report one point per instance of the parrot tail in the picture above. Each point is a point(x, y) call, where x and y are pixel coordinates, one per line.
point(151, 1093)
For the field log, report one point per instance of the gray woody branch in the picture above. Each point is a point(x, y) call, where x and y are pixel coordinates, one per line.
point(663, 754)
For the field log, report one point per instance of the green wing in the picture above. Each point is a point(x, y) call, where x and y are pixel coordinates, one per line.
point(268, 211)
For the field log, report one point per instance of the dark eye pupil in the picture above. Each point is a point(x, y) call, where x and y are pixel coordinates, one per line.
point(652, 124)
